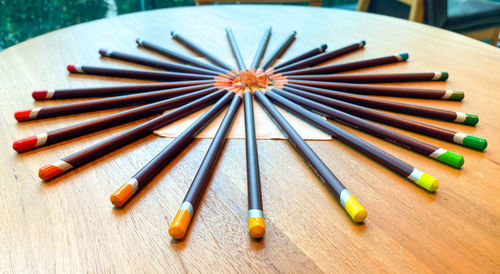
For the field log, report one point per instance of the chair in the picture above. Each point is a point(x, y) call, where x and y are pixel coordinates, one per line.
point(312, 3)
point(475, 18)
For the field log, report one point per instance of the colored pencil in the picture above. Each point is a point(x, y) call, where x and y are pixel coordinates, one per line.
point(156, 63)
point(320, 58)
point(261, 49)
point(386, 134)
point(104, 103)
point(256, 221)
point(179, 57)
point(71, 93)
point(139, 74)
point(143, 176)
point(413, 174)
point(235, 49)
point(104, 147)
point(373, 77)
point(350, 65)
point(394, 120)
point(191, 202)
point(307, 54)
point(87, 127)
point(349, 203)
point(269, 61)
point(424, 93)
point(416, 110)
point(199, 50)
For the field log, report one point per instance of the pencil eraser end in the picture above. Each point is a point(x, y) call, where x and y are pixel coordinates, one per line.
point(22, 115)
point(428, 182)
point(404, 56)
point(444, 76)
point(122, 195)
point(71, 68)
point(103, 52)
point(138, 41)
point(178, 228)
point(173, 33)
point(25, 143)
point(457, 95)
point(256, 227)
point(39, 94)
point(452, 159)
point(49, 171)
point(471, 119)
point(362, 43)
point(475, 142)
point(355, 209)
point(324, 46)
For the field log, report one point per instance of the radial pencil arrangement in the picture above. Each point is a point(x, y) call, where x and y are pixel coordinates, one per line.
point(298, 85)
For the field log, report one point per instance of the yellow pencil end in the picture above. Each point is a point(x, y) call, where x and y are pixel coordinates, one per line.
point(256, 227)
point(355, 209)
point(179, 225)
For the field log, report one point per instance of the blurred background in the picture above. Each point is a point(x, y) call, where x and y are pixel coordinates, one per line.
point(23, 19)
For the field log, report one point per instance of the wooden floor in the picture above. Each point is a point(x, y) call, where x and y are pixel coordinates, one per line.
point(69, 225)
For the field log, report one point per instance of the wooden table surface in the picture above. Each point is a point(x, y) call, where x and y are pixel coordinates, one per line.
point(69, 225)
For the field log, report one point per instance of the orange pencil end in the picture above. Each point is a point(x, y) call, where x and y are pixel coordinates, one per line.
point(122, 195)
point(49, 171)
point(178, 228)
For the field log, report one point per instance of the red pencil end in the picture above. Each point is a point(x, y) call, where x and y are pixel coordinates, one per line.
point(71, 68)
point(39, 94)
point(25, 143)
point(49, 171)
point(22, 115)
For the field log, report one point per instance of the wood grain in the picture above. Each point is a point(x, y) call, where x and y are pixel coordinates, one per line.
point(69, 225)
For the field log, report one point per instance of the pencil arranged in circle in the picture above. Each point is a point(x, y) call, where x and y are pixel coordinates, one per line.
point(373, 77)
point(424, 93)
point(182, 219)
point(269, 61)
point(401, 57)
point(416, 110)
point(261, 49)
point(138, 74)
point(157, 63)
point(320, 58)
point(386, 134)
point(87, 127)
point(105, 103)
point(71, 93)
point(307, 54)
point(413, 174)
point(235, 49)
point(256, 222)
point(106, 146)
point(179, 57)
point(143, 176)
point(349, 203)
point(196, 48)
point(393, 120)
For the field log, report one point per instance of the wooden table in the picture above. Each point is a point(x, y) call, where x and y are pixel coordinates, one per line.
point(69, 225)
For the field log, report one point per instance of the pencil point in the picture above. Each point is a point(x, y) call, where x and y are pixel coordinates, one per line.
point(39, 94)
point(122, 195)
point(256, 227)
point(25, 143)
point(22, 115)
point(179, 225)
point(49, 171)
point(428, 182)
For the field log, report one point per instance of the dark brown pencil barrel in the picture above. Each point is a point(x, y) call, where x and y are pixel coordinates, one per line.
point(279, 51)
point(253, 175)
point(177, 56)
point(199, 50)
point(200, 181)
point(375, 89)
point(378, 116)
point(303, 56)
point(155, 63)
point(261, 49)
point(115, 102)
point(439, 114)
point(347, 66)
point(143, 74)
point(93, 152)
point(368, 78)
point(320, 58)
point(179, 143)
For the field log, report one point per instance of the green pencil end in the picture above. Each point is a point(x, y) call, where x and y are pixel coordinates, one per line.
point(457, 95)
point(428, 182)
point(444, 76)
point(452, 159)
point(475, 142)
point(471, 119)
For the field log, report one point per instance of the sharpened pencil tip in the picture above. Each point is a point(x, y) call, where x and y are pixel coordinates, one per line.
point(25, 143)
